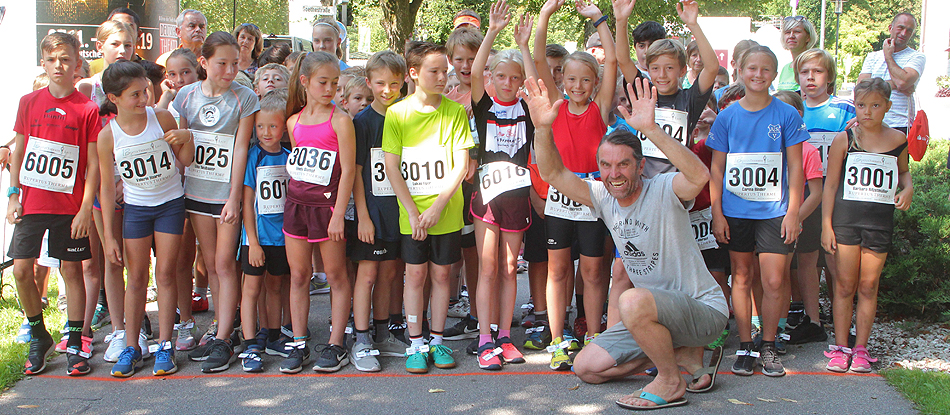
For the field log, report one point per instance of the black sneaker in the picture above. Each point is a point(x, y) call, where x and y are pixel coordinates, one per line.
point(220, 356)
point(200, 353)
point(796, 314)
point(40, 349)
point(771, 363)
point(807, 332)
point(745, 359)
point(298, 355)
point(77, 362)
point(332, 358)
point(147, 328)
point(466, 328)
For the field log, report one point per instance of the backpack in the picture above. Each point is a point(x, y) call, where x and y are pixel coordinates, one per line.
point(918, 136)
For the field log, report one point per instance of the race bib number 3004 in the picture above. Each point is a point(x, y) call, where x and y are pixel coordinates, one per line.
point(312, 165)
point(870, 178)
point(499, 177)
point(755, 177)
point(213, 153)
point(425, 170)
point(49, 165)
point(560, 206)
point(147, 165)
point(673, 122)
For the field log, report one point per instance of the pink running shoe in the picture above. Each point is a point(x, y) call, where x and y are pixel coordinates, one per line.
point(840, 358)
point(861, 360)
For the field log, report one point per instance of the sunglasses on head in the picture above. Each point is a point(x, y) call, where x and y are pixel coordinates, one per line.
point(795, 18)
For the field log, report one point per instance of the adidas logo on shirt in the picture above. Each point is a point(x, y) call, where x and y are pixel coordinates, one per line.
point(631, 250)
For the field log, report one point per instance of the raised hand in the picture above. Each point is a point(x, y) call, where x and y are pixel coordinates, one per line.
point(688, 11)
point(523, 30)
point(587, 9)
point(623, 9)
point(499, 16)
point(642, 105)
point(551, 6)
point(543, 112)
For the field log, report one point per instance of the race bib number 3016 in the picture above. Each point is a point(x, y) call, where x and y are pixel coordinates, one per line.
point(701, 222)
point(560, 206)
point(870, 178)
point(213, 153)
point(425, 170)
point(499, 177)
point(312, 165)
point(271, 189)
point(381, 185)
point(673, 122)
point(147, 165)
point(49, 165)
point(822, 141)
point(755, 177)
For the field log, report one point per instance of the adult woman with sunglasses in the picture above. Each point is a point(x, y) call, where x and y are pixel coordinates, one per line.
point(798, 35)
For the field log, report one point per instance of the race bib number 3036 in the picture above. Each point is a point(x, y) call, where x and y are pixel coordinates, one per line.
point(870, 178)
point(673, 122)
point(755, 177)
point(425, 170)
point(49, 165)
point(560, 206)
point(312, 165)
point(213, 153)
point(499, 177)
point(271, 189)
point(147, 165)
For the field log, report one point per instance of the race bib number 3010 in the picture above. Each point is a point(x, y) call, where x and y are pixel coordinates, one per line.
point(213, 153)
point(312, 165)
point(425, 170)
point(147, 165)
point(49, 165)
point(673, 122)
point(870, 178)
point(755, 177)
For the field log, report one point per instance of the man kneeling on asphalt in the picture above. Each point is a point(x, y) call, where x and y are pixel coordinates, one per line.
point(676, 307)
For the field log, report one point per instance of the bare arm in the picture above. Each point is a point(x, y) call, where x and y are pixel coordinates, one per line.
point(14, 208)
point(111, 247)
point(813, 200)
point(346, 156)
point(522, 36)
point(622, 11)
point(792, 224)
point(540, 43)
point(232, 208)
point(182, 141)
point(717, 171)
point(832, 180)
point(903, 79)
point(904, 182)
point(689, 12)
point(499, 17)
point(608, 83)
point(460, 161)
point(366, 230)
point(401, 189)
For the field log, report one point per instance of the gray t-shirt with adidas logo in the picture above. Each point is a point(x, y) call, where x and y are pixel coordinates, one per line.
point(656, 241)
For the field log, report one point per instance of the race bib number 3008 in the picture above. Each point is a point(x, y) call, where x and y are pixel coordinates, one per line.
point(213, 153)
point(673, 122)
point(870, 178)
point(755, 177)
point(49, 165)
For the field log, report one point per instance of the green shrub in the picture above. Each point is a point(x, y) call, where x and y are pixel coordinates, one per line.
point(914, 282)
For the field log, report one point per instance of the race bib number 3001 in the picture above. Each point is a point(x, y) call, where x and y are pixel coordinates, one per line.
point(701, 222)
point(870, 178)
point(673, 122)
point(212, 157)
point(271, 189)
point(425, 169)
point(499, 177)
point(147, 165)
point(49, 165)
point(822, 141)
point(755, 177)
point(312, 165)
point(560, 206)
point(381, 185)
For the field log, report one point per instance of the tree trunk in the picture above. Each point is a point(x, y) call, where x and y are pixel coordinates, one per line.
point(399, 19)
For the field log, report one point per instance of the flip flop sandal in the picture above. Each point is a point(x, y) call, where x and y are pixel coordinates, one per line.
point(710, 370)
point(660, 402)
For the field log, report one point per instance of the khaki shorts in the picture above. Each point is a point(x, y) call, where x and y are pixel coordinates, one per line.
point(690, 322)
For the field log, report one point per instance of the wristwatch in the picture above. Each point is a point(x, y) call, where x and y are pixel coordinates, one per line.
point(13, 191)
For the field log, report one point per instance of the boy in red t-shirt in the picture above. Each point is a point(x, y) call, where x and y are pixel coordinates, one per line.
point(55, 154)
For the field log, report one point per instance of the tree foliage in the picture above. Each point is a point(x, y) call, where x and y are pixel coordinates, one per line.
point(270, 15)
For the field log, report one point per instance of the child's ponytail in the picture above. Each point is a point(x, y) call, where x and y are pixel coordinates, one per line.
point(306, 65)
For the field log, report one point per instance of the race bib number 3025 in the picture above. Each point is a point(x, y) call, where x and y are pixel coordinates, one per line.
point(425, 170)
point(755, 177)
point(213, 153)
point(673, 122)
point(49, 165)
point(312, 165)
point(870, 178)
point(499, 177)
point(560, 206)
point(147, 165)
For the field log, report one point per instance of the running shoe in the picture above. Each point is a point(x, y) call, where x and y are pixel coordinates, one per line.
point(25, 334)
point(745, 359)
point(488, 357)
point(780, 338)
point(280, 347)
point(199, 304)
point(573, 343)
point(251, 359)
point(40, 349)
point(398, 329)
point(417, 359)
point(86, 342)
point(840, 358)
point(559, 358)
point(77, 361)
point(100, 317)
point(472, 347)
point(129, 361)
point(298, 355)
point(861, 360)
point(466, 328)
point(796, 315)
point(186, 336)
point(509, 352)
point(391, 347)
point(771, 363)
point(538, 337)
point(164, 360)
point(580, 327)
point(319, 284)
point(147, 328)
point(332, 358)
point(364, 357)
point(210, 334)
point(588, 339)
point(288, 330)
point(807, 332)
point(116, 346)
point(143, 344)
point(220, 356)
point(460, 308)
point(441, 356)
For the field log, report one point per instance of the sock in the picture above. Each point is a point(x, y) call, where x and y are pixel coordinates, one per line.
point(579, 303)
point(764, 343)
point(756, 322)
point(416, 341)
point(102, 299)
point(504, 333)
point(75, 333)
point(746, 345)
point(781, 324)
point(249, 342)
point(484, 339)
point(436, 337)
point(540, 316)
point(202, 292)
point(471, 317)
point(273, 334)
point(362, 336)
point(396, 318)
point(37, 327)
point(382, 329)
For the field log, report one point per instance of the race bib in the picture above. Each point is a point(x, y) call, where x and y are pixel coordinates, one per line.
point(312, 165)
point(381, 185)
point(212, 157)
point(424, 170)
point(271, 189)
point(756, 177)
point(870, 178)
point(499, 177)
point(673, 122)
point(49, 165)
point(146, 166)
point(560, 206)
point(822, 141)
point(701, 222)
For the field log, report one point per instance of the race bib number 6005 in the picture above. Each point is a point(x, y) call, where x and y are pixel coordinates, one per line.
point(212, 157)
point(49, 165)
point(755, 177)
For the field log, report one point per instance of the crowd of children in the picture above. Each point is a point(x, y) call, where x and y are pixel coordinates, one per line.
point(395, 197)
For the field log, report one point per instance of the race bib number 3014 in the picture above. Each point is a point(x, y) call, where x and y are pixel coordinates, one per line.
point(673, 122)
point(755, 177)
point(213, 153)
point(870, 178)
point(49, 165)
point(147, 165)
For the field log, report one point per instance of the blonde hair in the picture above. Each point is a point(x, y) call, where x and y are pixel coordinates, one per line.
point(666, 47)
point(354, 71)
point(56, 40)
point(111, 27)
point(586, 59)
point(791, 22)
point(824, 59)
point(386, 59)
point(330, 22)
point(275, 101)
point(791, 98)
point(272, 66)
point(354, 84)
point(41, 81)
point(307, 65)
point(466, 37)
point(759, 49)
point(507, 56)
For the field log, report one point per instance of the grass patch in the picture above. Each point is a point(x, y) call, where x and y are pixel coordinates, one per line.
point(13, 355)
point(930, 391)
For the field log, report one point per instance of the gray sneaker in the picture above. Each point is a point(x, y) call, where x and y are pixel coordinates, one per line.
point(391, 347)
point(364, 357)
point(771, 363)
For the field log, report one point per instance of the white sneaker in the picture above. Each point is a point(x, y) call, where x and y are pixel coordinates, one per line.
point(460, 309)
point(143, 344)
point(116, 346)
point(364, 357)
